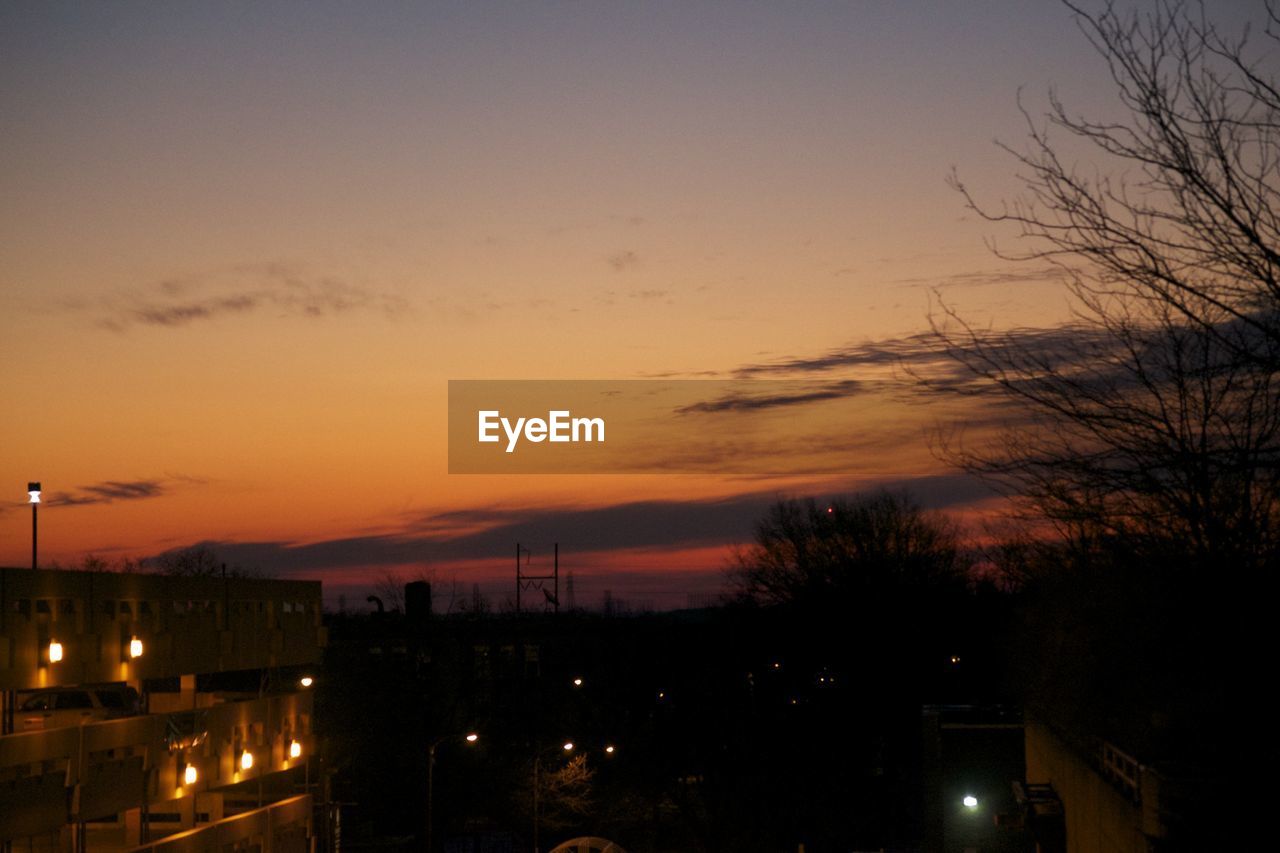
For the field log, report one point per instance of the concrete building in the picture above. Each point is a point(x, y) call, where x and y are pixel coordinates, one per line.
point(147, 712)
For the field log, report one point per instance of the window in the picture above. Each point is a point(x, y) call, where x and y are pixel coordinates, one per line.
point(39, 702)
point(74, 699)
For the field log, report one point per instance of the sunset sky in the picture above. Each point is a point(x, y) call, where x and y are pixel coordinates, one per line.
point(244, 247)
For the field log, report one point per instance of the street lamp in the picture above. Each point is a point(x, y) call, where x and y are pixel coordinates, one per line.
point(470, 737)
point(33, 495)
point(566, 747)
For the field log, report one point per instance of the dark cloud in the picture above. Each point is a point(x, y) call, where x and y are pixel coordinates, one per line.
point(274, 288)
point(107, 492)
point(492, 532)
point(750, 402)
point(1057, 346)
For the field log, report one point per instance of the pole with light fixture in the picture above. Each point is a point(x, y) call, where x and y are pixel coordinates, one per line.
point(33, 495)
point(470, 737)
point(537, 762)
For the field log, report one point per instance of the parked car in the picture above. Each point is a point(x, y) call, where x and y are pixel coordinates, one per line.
point(58, 707)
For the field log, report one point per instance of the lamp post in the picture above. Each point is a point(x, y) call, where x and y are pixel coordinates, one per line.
point(537, 761)
point(470, 737)
point(33, 493)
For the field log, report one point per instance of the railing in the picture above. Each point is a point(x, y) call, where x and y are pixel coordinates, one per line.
point(48, 778)
point(1122, 770)
point(283, 827)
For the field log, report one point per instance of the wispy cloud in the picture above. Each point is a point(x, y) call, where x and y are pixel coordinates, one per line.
point(107, 492)
point(982, 278)
point(623, 260)
point(750, 402)
point(1058, 345)
point(271, 288)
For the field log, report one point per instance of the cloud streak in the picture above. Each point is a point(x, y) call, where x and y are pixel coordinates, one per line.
point(743, 402)
point(491, 532)
point(278, 289)
point(107, 492)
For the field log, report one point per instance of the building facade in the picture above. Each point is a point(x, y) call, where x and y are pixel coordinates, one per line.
point(148, 712)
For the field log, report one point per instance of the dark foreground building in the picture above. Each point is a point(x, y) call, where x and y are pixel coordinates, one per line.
point(147, 712)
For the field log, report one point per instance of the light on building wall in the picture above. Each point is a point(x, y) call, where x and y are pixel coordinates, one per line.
point(190, 775)
point(246, 760)
point(135, 648)
point(55, 651)
point(295, 749)
point(306, 681)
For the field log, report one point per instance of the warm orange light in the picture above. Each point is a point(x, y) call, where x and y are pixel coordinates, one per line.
point(306, 681)
point(190, 775)
point(55, 651)
point(246, 760)
point(135, 648)
point(295, 749)
point(609, 749)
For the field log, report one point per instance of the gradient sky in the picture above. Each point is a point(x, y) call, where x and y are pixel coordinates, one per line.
point(243, 247)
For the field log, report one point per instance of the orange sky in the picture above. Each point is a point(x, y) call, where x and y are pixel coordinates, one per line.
point(244, 248)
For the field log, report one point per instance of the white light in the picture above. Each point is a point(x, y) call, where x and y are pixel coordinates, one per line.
point(970, 801)
point(473, 737)
point(135, 648)
point(190, 775)
point(609, 749)
point(246, 760)
point(295, 749)
point(306, 681)
point(568, 746)
point(55, 651)
point(577, 682)
point(34, 497)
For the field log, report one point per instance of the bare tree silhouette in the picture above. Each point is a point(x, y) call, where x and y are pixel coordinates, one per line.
point(867, 545)
point(1159, 426)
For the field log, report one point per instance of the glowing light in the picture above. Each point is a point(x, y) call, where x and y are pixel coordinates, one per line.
point(135, 648)
point(55, 651)
point(568, 746)
point(295, 749)
point(970, 801)
point(577, 682)
point(246, 760)
point(609, 749)
point(306, 681)
point(955, 658)
point(473, 737)
point(33, 493)
point(190, 775)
